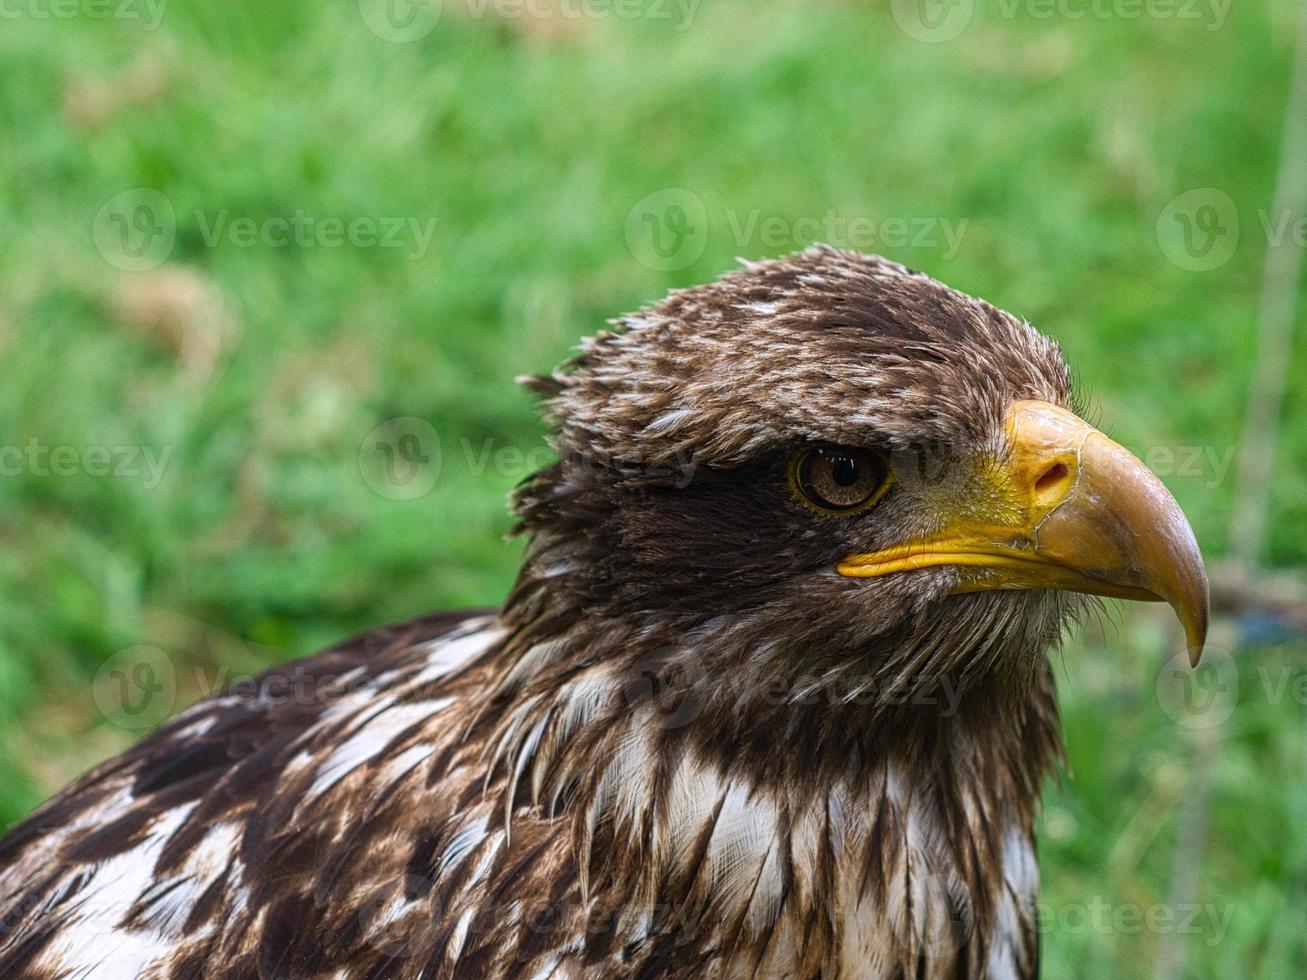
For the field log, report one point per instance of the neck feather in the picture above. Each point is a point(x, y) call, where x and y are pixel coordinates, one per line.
point(805, 814)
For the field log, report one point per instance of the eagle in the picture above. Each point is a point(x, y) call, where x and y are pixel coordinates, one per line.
point(770, 697)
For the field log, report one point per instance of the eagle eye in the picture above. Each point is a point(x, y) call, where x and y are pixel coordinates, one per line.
point(839, 479)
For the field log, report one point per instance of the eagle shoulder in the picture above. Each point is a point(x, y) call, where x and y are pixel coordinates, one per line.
point(280, 827)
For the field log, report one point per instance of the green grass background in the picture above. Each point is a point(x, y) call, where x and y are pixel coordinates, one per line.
point(261, 370)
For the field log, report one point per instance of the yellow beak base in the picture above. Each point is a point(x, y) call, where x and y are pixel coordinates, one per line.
point(1072, 510)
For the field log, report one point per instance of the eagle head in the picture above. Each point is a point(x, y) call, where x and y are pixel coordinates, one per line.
point(831, 476)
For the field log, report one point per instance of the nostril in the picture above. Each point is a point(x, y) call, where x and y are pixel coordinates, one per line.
point(1052, 476)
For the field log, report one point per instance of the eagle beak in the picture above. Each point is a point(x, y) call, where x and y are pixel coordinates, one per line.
point(1066, 508)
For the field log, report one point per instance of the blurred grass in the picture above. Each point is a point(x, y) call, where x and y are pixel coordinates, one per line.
point(260, 371)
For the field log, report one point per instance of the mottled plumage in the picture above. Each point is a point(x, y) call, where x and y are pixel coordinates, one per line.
point(685, 747)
